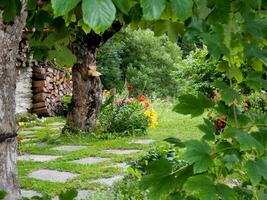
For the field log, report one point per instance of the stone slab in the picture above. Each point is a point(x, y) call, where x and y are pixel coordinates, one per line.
point(25, 132)
point(90, 160)
point(41, 144)
point(122, 165)
point(37, 158)
point(68, 148)
point(82, 195)
point(56, 124)
point(143, 141)
point(52, 175)
point(108, 181)
point(122, 151)
point(36, 128)
point(29, 193)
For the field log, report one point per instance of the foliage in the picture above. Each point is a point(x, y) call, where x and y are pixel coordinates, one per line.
point(257, 101)
point(26, 117)
point(198, 73)
point(124, 119)
point(140, 59)
point(2, 194)
point(66, 99)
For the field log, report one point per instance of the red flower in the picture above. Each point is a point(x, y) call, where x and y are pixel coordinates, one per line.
point(130, 87)
point(146, 105)
point(142, 97)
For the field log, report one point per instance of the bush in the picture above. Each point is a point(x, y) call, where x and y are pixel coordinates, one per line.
point(257, 101)
point(198, 74)
point(26, 117)
point(124, 119)
point(140, 59)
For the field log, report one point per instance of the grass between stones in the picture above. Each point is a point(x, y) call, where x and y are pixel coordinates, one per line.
point(170, 125)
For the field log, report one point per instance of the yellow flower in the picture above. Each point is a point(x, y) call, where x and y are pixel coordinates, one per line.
point(21, 124)
point(152, 115)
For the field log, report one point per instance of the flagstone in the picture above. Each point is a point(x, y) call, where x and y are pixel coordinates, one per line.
point(90, 160)
point(143, 141)
point(52, 175)
point(68, 148)
point(108, 181)
point(82, 195)
point(29, 193)
point(25, 132)
point(36, 128)
point(122, 151)
point(37, 158)
point(56, 124)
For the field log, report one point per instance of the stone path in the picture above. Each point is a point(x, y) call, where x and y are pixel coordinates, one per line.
point(90, 160)
point(68, 148)
point(25, 132)
point(52, 175)
point(122, 151)
point(29, 193)
point(108, 181)
point(37, 158)
point(143, 141)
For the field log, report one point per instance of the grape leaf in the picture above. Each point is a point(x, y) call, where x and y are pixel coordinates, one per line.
point(255, 81)
point(194, 105)
point(182, 8)
point(63, 56)
point(256, 170)
point(124, 5)
point(63, 7)
point(152, 9)
point(98, 14)
point(198, 153)
point(209, 129)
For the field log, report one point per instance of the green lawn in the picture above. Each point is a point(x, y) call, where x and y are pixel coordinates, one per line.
point(170, 125)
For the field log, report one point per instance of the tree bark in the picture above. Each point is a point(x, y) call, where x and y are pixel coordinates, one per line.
point(10, 36)
point(87, 95)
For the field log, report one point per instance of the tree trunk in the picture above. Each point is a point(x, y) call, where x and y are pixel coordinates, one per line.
point(87, 95)
point(10, 36)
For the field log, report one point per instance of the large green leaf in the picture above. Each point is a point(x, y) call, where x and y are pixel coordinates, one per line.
point(182, 8)
point(61, 7)
point(124, 5)
point(63, 56)
point(209, 129)
point(202, 187)
point(152, 9)
point(198, 153)
point(228, 94)
point(194, 105)
point(246, 141)
point(255, 81)
point(256, 170)
point(159, 179)
point(225, 192)
point(98, 14)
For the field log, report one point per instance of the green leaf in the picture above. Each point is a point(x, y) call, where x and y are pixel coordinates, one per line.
point(175, 141)
point(194, 105)
point(257, 65)
point(68, 195)
point(11, 9)
point(152, 9)
point(228, 94)
point(63, 7)
point(2, 194)
point(182, 8)
point(209, 129)
point(173, 29)
point(159, 172)
point(202, 187)
point(98, 14)
point(256, 170)
point(31, 5)
point(198, 153)
point(236, 73)
point(253, 51)
point(231, 160)
point(225, 192)
point(124, 5)
point(63, 56)
point(255, 81)
point(246, 141)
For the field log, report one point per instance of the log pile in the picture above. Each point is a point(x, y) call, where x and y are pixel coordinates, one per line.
point(49, 86)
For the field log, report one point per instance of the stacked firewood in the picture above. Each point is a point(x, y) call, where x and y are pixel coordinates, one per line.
point(49, 86)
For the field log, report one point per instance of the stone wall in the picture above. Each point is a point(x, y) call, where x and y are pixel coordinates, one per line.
point(24, 90)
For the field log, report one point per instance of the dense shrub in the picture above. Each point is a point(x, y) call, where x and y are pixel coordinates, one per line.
point(257, 101)
point(124, 119)
point(139, 58)
point(198, 73)
point(26, 117)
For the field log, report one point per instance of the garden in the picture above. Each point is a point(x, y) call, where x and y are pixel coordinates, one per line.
point(133, 100)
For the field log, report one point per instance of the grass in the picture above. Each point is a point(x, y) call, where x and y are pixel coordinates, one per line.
point(170, 125)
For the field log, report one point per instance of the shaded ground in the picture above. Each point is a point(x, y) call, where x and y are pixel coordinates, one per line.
point(85, 163)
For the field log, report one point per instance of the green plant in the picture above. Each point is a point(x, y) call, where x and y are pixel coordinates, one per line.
point(256, 101)
point(124, 119)
point(140, 59)
point(26, 117)
point(66, 99)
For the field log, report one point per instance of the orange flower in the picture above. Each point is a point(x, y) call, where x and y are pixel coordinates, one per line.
point(146, 105)
point(130, 87)
point(142, 97)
